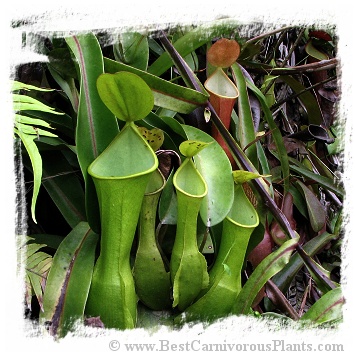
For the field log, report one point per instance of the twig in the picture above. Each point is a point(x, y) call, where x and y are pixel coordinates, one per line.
point(305, 68)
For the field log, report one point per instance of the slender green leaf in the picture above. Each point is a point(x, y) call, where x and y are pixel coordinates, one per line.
point(64, 187)
point(96, 125)
point(307, 98)
point(23, 119)
point(187, 74)
point(16, 85)
point(327, 309)
point(68, 86)
point(62, 123)
point(323, 181)
point(69, 280)
point(166, 94)
point(271, 265)
point(36, 162)
point(246, 131)
point(30, 130)
point(191, 41)
point(284, 278)
point(23, 102)
point(276, 134)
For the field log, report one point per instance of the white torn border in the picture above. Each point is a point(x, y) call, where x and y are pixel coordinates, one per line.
point(67, 16)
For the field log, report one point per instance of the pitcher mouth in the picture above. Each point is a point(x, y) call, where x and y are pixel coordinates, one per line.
point(219, 84)
point(128, 155)
point(196, 180)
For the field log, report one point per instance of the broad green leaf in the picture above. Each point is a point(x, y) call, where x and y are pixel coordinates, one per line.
point(69, 280)
point(166, 94)
point(327, 309)
point(190, 148)
point(132, 49)
point(241, 176)
point(36, 162)
point(246, 131)
point(314, 52)
point(214, 166)
point(127, 95)
point(307, 98)
point(96, 125)
point(271, 265)
point(316, 211)
point(192, 40)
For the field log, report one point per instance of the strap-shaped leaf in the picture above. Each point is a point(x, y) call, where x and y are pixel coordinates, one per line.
point(327, 309)
point(271, 265)
point(246, 131)
point(276, 134)
point(166, 94)
point(283, 278)
point(69, 280)
point(96, 125)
